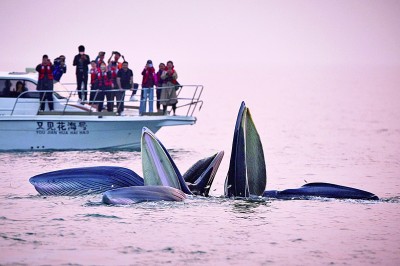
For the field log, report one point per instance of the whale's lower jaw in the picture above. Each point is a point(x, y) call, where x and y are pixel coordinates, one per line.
point(325, 190)
point(131, 195)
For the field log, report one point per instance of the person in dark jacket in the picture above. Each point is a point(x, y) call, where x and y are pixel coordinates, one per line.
point(81, 61)
point(45, 83)
point(161, 68)
point(124, 82)
point(59, 68)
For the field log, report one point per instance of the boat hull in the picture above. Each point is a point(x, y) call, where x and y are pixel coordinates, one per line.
point(47, 132)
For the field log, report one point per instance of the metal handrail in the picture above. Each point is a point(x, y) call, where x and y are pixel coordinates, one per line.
point(192, 103)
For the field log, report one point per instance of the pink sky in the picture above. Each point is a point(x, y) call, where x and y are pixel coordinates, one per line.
point(203, 34)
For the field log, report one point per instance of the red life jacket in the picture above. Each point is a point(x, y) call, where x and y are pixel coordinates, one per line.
point(170, 78)
point(103, 79)
point(93, 75)
point(45, 70)
point(114, 71)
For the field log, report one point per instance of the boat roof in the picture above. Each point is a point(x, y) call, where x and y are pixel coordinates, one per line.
point(19, 75)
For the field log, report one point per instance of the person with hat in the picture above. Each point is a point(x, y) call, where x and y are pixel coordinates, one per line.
point(81, 61)
point(148, 82)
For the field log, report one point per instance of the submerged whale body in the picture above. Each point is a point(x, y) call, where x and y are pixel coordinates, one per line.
point(325, 190)
point(130, 195)
point(85, 180)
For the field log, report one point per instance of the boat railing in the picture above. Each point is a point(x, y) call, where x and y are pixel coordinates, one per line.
point(187, 96)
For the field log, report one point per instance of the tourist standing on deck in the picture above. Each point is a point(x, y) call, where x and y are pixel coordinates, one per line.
point(115, 63)
point(59, 68)
point(100, 58)
point(168, 94)
point(148, 82)
point(124, 82)
point(114, 66)
point(93, 75)
point(45, 83)
point(103, 84)
point(161, 68)
point(81, 61)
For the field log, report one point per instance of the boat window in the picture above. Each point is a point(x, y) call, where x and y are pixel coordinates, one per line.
point(30, 90)
point(8, 88)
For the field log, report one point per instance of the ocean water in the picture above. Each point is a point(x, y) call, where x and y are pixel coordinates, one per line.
point(333, 126)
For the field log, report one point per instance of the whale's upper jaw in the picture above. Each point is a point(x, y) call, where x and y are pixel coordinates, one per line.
point(247, 172)
point(201, 175)
point(158, 167)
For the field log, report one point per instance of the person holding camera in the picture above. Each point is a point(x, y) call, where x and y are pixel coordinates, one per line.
point(100, 58)
point(114, 66)
point(170, 84)
point(81, 61)
point(115, 63)
point(45, 83)
point(148, 82)
point(59, 68)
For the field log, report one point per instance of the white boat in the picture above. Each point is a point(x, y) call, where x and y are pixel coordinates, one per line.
point(76, 126)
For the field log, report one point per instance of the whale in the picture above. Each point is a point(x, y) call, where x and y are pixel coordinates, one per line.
point(247, 175)
point(200, 176)
point(320, 189)
point(162, 180)
point(84, 180)
point(159, 169)
point(160, 173)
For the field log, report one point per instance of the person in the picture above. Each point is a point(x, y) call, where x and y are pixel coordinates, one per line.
point(115, 63)
point(20, 88)
point(7, 89)
point(81, 61)
point(100, 58)
point(114, 66)
point(45, 83)
point(125, 82)
point(168, 94)
point(59, 68)
point(161, 68)
point(103, 86)
point(93, 74)
point(148, 82)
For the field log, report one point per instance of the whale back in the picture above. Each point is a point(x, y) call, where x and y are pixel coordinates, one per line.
point(84, 180)
point(320, 189)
